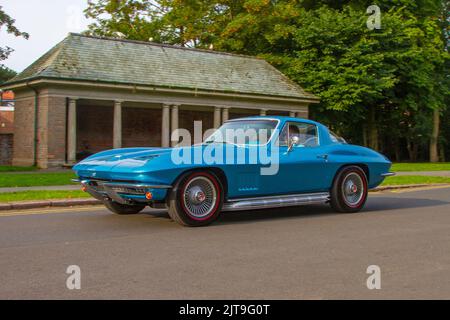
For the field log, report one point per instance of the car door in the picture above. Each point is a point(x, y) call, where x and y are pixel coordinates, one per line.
point(303, 168)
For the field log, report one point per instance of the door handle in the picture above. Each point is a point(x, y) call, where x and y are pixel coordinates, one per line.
point(323, 156)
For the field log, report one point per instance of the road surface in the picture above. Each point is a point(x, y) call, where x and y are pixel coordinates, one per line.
point(295, 253)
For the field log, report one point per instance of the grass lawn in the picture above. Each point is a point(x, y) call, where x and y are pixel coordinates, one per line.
point(16, 169)
point(399, 180)
point(35, 179)
point(42, 195)
point(440, 166)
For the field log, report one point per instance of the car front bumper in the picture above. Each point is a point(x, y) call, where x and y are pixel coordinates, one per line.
point(124, 192)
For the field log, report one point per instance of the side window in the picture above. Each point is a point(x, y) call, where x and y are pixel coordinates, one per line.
point(307, 134)
point(333, 137)
point(336, 139)
point(284, 136)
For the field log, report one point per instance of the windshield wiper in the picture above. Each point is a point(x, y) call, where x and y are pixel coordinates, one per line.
point(221, 142)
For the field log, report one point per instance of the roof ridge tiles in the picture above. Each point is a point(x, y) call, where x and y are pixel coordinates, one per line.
point(164, 45)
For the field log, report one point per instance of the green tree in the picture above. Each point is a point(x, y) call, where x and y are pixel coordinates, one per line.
point(6, 74)
point(9, 23)
point(384, 88)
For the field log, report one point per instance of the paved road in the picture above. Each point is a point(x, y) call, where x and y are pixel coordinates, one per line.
point(299, 253)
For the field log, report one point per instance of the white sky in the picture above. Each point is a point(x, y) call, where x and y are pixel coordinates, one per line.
point(47, 21)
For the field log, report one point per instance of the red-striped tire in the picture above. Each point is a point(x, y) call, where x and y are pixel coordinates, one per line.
point(197, 199)
point(349, 191)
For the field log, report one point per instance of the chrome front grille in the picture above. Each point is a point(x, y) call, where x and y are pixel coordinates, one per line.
point(103, 186)
point(98, 187)
point(124, 190)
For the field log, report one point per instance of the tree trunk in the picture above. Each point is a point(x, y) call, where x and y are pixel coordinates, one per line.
point(397, 151)
point(373, 130)
point(442, 153)
point(413, 149)
point(434, 153)
point(364, 131)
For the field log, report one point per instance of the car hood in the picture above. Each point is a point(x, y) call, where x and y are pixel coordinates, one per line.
point(103, 165)
point(141, 164)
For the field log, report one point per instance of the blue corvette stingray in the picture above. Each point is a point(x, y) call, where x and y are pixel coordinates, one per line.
point(248, 163)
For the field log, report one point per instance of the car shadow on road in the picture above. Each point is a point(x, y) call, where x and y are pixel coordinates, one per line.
point(373, 205)
point(274, 214)
point(311, 211)
point(381, 203)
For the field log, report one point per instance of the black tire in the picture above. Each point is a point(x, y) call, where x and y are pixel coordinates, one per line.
point(123, 209)
point(196, 200)
point(349, 191)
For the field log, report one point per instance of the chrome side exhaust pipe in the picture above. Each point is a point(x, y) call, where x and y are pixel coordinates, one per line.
point(276, 201)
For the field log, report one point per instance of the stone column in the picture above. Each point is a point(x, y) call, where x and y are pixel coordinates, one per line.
point(217, 111)
point(165, 126)
point(174, 124)
point(117, 127)
point(225, 114)
point(72, 132)
point(263, 112)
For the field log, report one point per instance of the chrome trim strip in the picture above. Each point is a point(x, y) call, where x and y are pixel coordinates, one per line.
point(276, 201)
point(388, 174)
point(123, 185)
point(132, 185)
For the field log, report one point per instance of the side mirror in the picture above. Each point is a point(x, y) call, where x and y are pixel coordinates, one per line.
point(293, 141)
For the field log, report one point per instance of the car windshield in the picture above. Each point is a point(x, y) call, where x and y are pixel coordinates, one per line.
point(244, 132)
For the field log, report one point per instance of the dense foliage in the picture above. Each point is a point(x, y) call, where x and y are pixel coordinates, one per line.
point(387, 88)
point(6, 74)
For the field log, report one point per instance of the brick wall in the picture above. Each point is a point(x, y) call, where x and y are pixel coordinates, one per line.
point(243, 113)
point(141, 127)
point(6, 121)
point(56, 124)
point(6, 148)
point(187, 118)
point(278, 113)
point(23, 153)
point(94, 128)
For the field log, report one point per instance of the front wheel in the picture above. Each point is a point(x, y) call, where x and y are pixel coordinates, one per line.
point(349, 191)
point(196, 199)
point(123, 209)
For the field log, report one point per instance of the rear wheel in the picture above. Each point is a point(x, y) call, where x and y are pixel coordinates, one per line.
point(196, 199)
point(349, 191)
point(123, 209)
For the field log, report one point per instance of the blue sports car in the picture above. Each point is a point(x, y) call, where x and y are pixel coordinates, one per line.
point(248, 163)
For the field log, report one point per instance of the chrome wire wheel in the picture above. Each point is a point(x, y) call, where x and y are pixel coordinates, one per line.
point(353, 189)
point(199, 197)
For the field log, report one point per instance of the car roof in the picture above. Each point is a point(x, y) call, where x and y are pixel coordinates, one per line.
point(280, 118)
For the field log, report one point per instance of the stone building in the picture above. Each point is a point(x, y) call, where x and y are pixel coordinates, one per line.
point(89, 94)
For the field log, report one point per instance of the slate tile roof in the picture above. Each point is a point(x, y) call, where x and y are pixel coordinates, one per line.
point(87, 58)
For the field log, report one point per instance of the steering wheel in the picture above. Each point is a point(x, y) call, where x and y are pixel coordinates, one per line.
point(311, 142)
